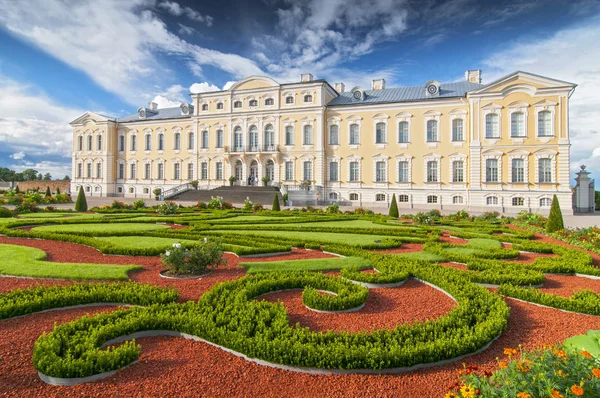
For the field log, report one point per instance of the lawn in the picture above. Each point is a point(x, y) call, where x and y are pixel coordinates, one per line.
point(423, 256)
point(341, 224)
point(28, 261)
point(144, 242)
point(320, 264)
point(47, 215)
point(243, 219)
point(479, 243)
point(322, 237)
point(103, 228)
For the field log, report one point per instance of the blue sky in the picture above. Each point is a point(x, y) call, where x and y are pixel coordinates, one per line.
point(61, 58)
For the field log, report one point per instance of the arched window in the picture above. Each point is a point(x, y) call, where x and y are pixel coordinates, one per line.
point(253, 103)
point(121, 143)
point(380, 197)
point(432, 199)
point(334, 135)
point(148, 145)
point(353, 196)
point(99, 143)
point(308, 98)
point(545, 124)
point(457, 130)
point(219, 105)
point(190, 171)
point(289, 135)
point(308, 135)
point(518, 201)
point(289, 100)
point(432, 171)
point(403, 132)
point(98, 170)
point(491, 200)
point(354, 134)
point(545, 202)
point(333, 196)
point(269, 101)
point(161, 142)
point(253, 138)
point(269, 137)
point(79, 170)
point(219, 139)
point(457, 200)
point(177, 141)
point(204, 107)
point(238, 138)
point(190, 141)
point(491, 126)
point(517, 124)
point(237, 104)
point(403, 198)
point(432, 131)
point(133, 143)
point(380, 136)
point(176, 171)
point(205, 139)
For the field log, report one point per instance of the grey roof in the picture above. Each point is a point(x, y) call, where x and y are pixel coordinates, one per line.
point(405, 94)
point(164, 113)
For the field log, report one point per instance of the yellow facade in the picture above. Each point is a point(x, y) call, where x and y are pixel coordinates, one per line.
point(502, 146)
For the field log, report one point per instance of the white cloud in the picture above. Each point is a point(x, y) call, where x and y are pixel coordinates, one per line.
point(203, 88)
point(18, 155)
point(175, 9)
point(571, 54)
point(164, 102)
point(186, 30)
point(228, 85)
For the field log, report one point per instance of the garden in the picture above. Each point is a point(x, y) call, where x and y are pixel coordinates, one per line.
point(211, 300)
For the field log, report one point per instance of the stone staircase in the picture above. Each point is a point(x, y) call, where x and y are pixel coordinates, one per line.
point(234, 194)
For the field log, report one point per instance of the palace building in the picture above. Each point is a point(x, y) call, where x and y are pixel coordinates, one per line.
point(501, 146)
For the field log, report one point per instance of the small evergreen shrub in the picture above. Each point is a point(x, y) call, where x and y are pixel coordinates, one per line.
point(167, 208)
point(276, 206)
point(333, 209)
point(81, 202)
point(48, 193)
point(5, 213)
point(57, 191)
point(394, 208)
point(555, 219)
point(193, 261)
point(139, 204)
point(257, 207)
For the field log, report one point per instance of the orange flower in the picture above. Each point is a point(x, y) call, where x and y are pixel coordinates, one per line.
point(577, 390)
point(586, 354)
point(510, 351)
point(596, 372)
point(556, 394)
point(523, 367)
point(560, 354)
point(502, 365)
point(524, 395)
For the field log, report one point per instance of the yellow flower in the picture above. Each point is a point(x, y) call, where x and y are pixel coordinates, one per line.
point(467, 391)
point(561, 373)
point(510, 351)
point(451, 394)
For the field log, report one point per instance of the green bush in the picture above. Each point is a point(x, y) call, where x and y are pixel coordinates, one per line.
point(57, 191)
point(582, 301)
point(81, 202)
point(48, 193)
point(139, 204)
point(276, 206)
point(5, 213)
point(394, 208)
point(167, 208)
point(257, 207)
point(333, 209)
point(195, 260)
point(555, 219)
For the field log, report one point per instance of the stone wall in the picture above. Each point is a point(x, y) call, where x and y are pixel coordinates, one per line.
point(64, 186)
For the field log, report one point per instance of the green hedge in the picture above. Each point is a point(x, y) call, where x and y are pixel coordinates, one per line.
point(583, 301)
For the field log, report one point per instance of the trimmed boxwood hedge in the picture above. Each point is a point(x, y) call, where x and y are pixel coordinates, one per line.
point(583, 301)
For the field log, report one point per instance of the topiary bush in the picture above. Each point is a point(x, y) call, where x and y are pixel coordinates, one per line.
point(555, 219)
point(276, 206)
point(48, 193)
point(81, 202)
point(394, 208)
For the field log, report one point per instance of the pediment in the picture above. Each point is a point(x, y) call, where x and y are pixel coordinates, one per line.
point(90, 117)
point(254, 82)
point(522, 81)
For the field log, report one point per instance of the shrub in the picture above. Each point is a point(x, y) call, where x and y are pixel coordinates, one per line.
point(489, 216)
point(201, 205)
point(17, 189)
point(285, 197)
point(232, 180)
point(195, 260)
point(167, 208)
point(555, 219)
point(62, 198)
point(216, 202)
point(248, 204)
point(5, 213)
point(361, 210)
point(157, 192)
point(276, 206)
point(48, 193)
point(422, 219)
point(27, 206)
point(394, 208)
point(194, 184)
point(257, 207)
point(81, 202)
point(119, 205)
point(139, 204)
point(57, 191)
point(333, 209)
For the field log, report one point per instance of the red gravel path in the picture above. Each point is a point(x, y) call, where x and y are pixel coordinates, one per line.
point(405, 248)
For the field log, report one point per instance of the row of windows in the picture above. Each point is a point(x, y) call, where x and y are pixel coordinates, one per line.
point(160, 171)
point(88, 169)
point(89, 143)
point(517, 125)
point(518, 170)
point(253, 103)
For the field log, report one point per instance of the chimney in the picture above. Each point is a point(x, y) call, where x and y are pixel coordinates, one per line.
point(378, 84)
point(152, 106)
point(306, 77)
point(473, 76)
point(339, 87)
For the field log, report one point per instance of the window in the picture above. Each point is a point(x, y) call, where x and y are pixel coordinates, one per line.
point(176, 171)
point(148, 142)
point(289, 135)
point(354, 134)
point(403, 171)
point(132, 171)
point(458, 173)
point(237, 104)
point(289, 100)
point(289, 171)
point(161, 142)
point(80, 143)
point(269, 137)
point(334, 134)
point(161, 171)
point(491, 126)
point(190, 171)
point(518, 201)
point(380, 136)
point(120, 189)
point(99, 143)
point(219, 171)
point(204, 171)
point(307, 171)
point(177, 142)
point(308, 98)
point(491, 200)
point(432, 199)
point(121, 143)
point(403, 132)
point(518, 170)
point(98, 170)
point(457, 130)
point(333, 171)
point(517, 124)
point(89, 170)
point(204, 107)
point(133, 143)
point(545, 170)
point(89, 143)
point(491, 170)
point(131, 190)
point(380, 197)
point(333, 196)
point(253, 138)
point(403, 198)
point(380, 172)
point(219, 139)
point(146, 190)
point(205, 139)
point(308, 135)
point(79, 170)
point(432, 131)
point(88, 189)
point(432, 171)
point(269, 102)
point(354, 172)
point(121, 174)
point(219, 105)
point(545, 124)
point(147, 171)
point(253, 103)
point(545, 202)
point(457, 200)
point(237, 138)
point(353, 196)
point(191, 141)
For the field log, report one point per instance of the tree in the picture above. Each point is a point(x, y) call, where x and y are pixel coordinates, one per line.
point(17, 190)
point(47, 177)
point(394, 208)
point(555, 219)
point(57, 190)
point(40, 177)
point(67, 178)
point(81, 203)
point(29, 175)
point(48, 193)
point(276, 203)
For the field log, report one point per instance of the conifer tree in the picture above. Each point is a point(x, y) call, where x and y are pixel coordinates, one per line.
point(555, 219)
point(48, 193)
point(394, 208)
point(276, 203)
point(81, 203)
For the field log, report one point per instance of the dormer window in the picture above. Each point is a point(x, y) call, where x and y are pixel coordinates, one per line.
point(219, 105)
point(289, 100)
point(269, 102)
point(142, 113)
point(237, 104)
point(204, 107)
point(185, 108)
point(308, 98)
point(253, 103)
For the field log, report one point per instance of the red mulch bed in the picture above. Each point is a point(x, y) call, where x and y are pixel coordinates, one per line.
point(174, 366)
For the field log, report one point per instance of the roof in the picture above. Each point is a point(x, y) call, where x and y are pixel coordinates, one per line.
point(406, 94)
point(164, 113)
